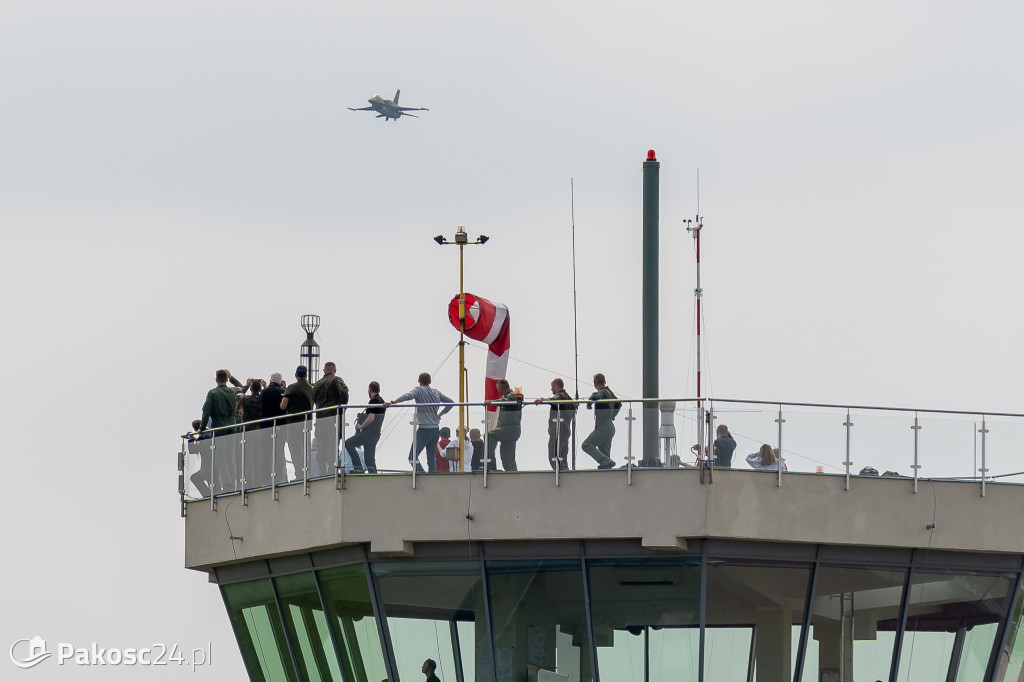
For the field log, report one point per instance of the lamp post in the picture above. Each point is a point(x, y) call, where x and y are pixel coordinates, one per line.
point(309, 352)
point(461, 240)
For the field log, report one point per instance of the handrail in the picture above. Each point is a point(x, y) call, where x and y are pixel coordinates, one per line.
point(583, 401)
point(241, 456)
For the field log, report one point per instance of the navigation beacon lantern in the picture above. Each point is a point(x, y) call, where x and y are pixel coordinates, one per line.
point(309, 352)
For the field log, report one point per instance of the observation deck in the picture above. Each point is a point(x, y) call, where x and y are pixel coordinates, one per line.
point(653, 573)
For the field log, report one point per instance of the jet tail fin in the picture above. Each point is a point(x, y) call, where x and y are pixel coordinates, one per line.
point(397, 93)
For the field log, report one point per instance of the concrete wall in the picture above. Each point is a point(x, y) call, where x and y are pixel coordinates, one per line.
point(661, 507)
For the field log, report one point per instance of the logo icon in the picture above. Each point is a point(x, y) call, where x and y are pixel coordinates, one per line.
point(37, 652)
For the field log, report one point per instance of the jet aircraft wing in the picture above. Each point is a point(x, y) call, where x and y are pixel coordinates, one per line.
point(360, 109)
point(412, 109)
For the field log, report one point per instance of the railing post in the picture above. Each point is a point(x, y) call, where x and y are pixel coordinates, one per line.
point(487, 435)
point(241, 472)
point(710, 450)
point(778, 464)
point(412, 452)
point(848, 424)
point(700, 442)
point(213, 468)
point(629, 445)
point(558, 441)
point(273, 459)
point(337, 469)
point(915, 466)
point(339, 478)
point(984, 462)
point(305, 455)
point(181, 474)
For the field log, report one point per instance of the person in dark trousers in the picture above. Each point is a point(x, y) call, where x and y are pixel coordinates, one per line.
point(257, 441)
point(270, 407)
point(368, 425)
point(559, 424)
point(599, 443)
point(725, 444)
point(429, 666)
point(330, 392)
point(509, 428)
point(477, 461)
point(298, 398)
point(428, 420)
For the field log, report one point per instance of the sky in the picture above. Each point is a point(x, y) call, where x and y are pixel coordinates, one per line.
point(180, 182)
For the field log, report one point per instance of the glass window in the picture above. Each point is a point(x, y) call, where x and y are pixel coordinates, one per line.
point(854, 617)
point(307, 627)
point(754, 614)
point(646, 619)
point(435, 610)
point(539, 621)
point(350, 611)
point(1011, 660)
point(257, 625)
point(952, 623)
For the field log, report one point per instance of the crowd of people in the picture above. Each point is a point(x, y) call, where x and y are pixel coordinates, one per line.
point(262, 405)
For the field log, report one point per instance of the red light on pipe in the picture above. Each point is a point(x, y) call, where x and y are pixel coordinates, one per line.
point(651, 156)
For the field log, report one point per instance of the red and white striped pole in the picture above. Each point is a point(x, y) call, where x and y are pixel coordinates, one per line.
point(698, 294)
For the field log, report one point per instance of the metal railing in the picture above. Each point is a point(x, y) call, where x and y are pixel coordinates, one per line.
point(845, 440)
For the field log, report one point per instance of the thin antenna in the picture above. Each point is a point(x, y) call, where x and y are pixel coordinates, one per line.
point(575, 328)
point(698, 191)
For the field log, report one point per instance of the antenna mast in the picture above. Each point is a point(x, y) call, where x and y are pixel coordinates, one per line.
point(575, 329)
point(694, 228)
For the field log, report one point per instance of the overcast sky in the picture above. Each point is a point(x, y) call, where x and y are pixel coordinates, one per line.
point(180, 181)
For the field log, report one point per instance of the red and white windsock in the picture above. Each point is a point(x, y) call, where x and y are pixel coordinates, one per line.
point(486, 322)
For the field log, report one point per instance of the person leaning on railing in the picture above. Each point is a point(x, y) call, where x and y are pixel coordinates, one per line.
point(428, 419)
point(509, 428)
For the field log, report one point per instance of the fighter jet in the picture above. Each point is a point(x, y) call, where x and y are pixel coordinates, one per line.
point(387, 108)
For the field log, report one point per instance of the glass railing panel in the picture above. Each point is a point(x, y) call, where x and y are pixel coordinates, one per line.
point(227, 454)
point(646, 616)
point(325, 444)
point(753, 615)
point(258, 460)
point(948, 446)
point(259, 631)
point(751, 427)
point(293, 450)
point(197, 468)
point(539, 620)
point(436, 611)
point(942, 608)
point(307, 627)
point(858, 610)
point(1003, 444)
point(350, 615)
point(882, 441)
point(814, 437)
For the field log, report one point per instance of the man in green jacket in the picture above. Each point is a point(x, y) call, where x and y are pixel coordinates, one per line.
point(330, 391)
point(599, 443)
point(219, 410)
point(509, 428)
